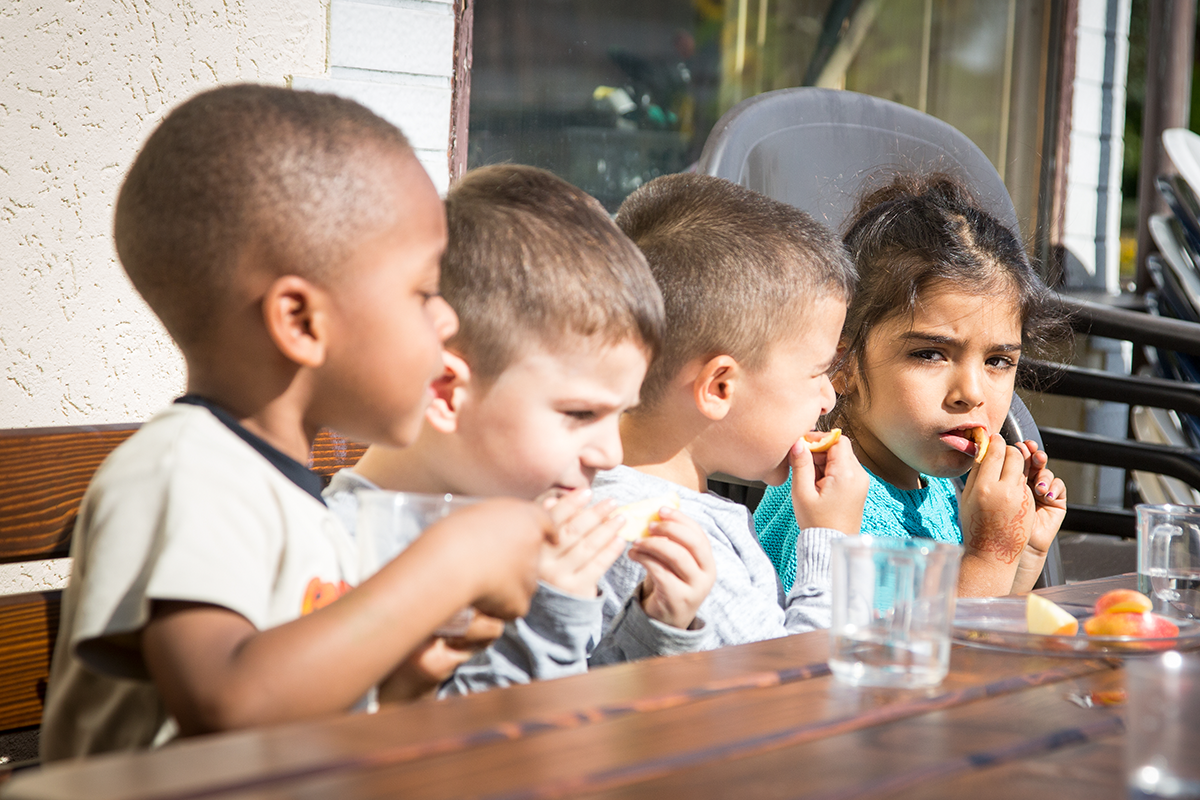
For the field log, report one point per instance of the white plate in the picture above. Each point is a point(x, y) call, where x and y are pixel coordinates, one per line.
point(1183, 147)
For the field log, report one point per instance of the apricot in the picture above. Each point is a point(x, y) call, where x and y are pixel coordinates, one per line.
point(1143, 625)
point(1122, 600)
point(820, 441)
point(980, 435)
point(639, 515)
point(1046, 617)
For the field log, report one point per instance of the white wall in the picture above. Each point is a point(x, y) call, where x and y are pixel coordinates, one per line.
point(83, 84)
point(1092, 223)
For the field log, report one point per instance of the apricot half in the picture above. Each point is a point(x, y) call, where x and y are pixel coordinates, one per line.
point(639, 515)
point(1121, 601)
point(820, 441)
point(1048, 618)
point(980, 435)
point(1143, 625)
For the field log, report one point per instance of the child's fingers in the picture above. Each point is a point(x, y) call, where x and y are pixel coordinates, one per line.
point(670, 554)
point(804, 471)
point(682, 529)
point(579, 524)
point(1012, 467)
point(599, 543)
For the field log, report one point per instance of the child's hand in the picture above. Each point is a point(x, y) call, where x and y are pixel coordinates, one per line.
point(828, 489)
point(498, 544)
point(998, 516)
point(1050, 499)
point(680, 569)
point(585, 543)
point(435, 660)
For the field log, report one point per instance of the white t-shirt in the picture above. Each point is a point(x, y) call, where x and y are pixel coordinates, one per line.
point(190, 508)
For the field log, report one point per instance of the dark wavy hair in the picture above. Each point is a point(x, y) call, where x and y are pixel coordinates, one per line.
point(917, 232)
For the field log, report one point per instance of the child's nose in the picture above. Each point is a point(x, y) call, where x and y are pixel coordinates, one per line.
point(445, 320)
point(828, 396)
point(966, 388)
point(605, 452)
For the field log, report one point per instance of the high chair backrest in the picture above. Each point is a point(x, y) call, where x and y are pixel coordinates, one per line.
point(817, 149)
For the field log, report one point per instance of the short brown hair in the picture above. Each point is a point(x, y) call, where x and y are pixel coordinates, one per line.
point(732, 265)
point(290, 173)
point(532, 257)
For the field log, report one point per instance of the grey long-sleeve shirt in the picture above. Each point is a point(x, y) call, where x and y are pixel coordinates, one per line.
point(747, 603)
point(559, 636)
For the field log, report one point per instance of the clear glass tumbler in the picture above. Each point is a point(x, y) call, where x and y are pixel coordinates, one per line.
point(893, 605)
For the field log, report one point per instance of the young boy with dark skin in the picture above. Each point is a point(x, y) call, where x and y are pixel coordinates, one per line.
point(755, 294)
point(289, 242)
point(560, 317)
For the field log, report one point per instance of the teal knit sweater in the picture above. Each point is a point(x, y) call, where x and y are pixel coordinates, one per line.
point(930, 512)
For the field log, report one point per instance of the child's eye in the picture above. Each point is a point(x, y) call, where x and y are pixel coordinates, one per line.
point(1002, 362)
point(427, 296)
point(926, 355)
point(581, 416)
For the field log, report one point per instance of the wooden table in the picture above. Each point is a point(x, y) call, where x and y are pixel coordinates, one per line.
point(759, 720)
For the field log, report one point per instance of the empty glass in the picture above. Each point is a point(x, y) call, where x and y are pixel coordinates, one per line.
point(388, 522)
point(893, 605)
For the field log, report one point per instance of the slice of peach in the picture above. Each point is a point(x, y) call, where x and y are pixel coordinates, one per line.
point(1144, 625)
point(820, 441)
point(981, 438)
point(1046, 617)
point(1123, 600)
point(639, 515)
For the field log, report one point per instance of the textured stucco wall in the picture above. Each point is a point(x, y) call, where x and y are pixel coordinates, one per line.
point(83, 84)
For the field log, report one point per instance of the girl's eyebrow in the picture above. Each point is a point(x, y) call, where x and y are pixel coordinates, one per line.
point(950, 341)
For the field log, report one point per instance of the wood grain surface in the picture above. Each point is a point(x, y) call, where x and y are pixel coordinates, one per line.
point(44, 472)
point(28, 628)
point(759, 720)
point(43, 475)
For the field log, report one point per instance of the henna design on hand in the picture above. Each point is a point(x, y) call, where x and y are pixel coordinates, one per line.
point(992, 532)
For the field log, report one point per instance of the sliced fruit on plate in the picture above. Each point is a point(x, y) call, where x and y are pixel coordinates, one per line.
point(820, 441)
point(1048, 618)
point(1123, 600)
point(1144, 625)
point(639, 515)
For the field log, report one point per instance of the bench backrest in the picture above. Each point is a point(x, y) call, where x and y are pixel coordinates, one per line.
point(43, 475)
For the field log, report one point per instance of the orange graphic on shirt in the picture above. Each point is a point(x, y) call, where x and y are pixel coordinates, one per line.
point(319, 594)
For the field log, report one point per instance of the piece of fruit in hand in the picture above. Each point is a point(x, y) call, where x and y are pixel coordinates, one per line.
point(639, 515)
point(1048, 618)
point(820, 441)
point(981, 438)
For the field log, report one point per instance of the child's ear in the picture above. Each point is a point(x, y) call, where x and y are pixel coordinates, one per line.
point(296, 314)
point(714, 385)
point(448, 391)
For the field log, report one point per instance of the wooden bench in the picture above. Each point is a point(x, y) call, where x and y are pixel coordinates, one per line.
point(43, 475)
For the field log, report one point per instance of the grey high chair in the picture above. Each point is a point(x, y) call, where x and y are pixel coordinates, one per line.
point(815, 149)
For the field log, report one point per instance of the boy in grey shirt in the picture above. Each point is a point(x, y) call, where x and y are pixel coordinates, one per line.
point(755, 294)
point(559, 317)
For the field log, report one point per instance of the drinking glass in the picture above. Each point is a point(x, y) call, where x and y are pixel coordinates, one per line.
point(388, 522)
point(1169, 558)
point(1162, 726)
point(893, 604)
